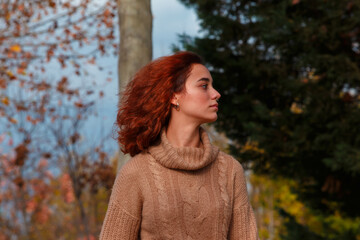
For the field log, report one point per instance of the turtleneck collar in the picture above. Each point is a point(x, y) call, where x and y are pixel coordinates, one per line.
point(184, 158)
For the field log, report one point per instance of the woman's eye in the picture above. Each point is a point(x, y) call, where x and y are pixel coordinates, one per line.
point(204, 86)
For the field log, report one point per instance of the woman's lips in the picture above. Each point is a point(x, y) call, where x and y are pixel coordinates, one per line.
point(215, 106)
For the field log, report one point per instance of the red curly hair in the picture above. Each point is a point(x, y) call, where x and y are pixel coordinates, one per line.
point(145, 104)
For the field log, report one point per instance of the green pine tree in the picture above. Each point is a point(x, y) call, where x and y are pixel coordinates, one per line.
point(289, 75)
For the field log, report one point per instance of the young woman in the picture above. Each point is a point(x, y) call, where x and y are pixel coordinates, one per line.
point(177, 185)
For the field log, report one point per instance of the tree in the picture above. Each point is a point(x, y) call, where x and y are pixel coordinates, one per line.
point(135, 25)
point(289, 76)
point(45, 47)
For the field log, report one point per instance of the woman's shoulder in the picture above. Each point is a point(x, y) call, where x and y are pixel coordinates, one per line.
point(130, 174)
point(135, 164)
point(230, 160)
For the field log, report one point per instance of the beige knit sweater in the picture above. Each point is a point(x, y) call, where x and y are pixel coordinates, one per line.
point(180, 193)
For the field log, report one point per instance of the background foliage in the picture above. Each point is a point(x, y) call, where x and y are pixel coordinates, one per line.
point(53, 180)
point(288, 71)
point(289, 76)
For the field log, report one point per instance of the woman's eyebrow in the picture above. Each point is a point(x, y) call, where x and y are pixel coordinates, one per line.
point(204, 79)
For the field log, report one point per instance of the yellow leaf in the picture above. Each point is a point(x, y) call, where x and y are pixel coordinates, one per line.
point(8, 16)
point(296, 108)
point(9, 73)
point(15, 48)
point(252, 146)
point(5, 100)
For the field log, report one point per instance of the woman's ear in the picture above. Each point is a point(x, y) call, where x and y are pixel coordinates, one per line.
point(174, 99)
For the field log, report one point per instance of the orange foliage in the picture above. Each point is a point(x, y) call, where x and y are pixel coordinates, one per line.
point(43, 215)
point(66, 188)
point(15, 48)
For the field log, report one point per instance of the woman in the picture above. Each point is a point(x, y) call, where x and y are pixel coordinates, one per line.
point(176, 185)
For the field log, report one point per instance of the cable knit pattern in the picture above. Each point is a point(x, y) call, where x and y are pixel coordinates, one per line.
point(161, 191)
point(180, 193)
point(224, 194)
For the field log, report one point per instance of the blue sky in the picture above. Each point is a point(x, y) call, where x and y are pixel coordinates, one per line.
point(170, 18)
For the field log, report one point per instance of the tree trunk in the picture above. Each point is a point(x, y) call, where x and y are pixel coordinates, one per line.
point(135, 23)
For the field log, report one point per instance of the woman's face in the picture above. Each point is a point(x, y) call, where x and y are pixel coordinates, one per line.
point(198, 99)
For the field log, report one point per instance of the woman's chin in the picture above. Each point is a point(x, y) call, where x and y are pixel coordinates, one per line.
point(211, 119)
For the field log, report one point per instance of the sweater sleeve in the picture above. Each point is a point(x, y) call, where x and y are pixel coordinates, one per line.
point(123, 216)
point(243, 223)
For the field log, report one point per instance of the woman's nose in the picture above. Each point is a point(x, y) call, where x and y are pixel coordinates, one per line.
point(216, 95)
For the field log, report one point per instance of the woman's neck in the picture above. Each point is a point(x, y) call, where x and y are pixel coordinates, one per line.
point(183, 135)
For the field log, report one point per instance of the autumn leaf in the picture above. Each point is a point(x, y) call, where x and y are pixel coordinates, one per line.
point(21, 71)
point(296, 108)
point(66, 188)
point(46, 155)
point(13, 120)
point(43, 86)
point(77, 28)
point(10, 74)
point(52, 4)
point(43, 215)
point(91, 61)
point(21, 107)
point(21, 7)
point(79, 104)
point(74, 138)
point(5, 101)
point(15, 48)
point(21, 154)
point(49, 54)
point(3, 83)
point(66, 5)
point(295, 2)
point(30, 119)
point(62, 62)
point(8, 16)
point(62, 84)
point(28, 55)
point(252, 146)
point(19, 181)
point(107, 13)
point(30, 206)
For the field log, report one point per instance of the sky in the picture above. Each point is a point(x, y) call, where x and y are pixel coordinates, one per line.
point(171, 18)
